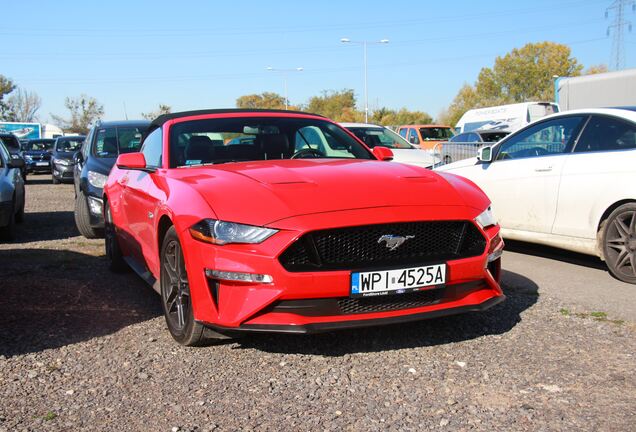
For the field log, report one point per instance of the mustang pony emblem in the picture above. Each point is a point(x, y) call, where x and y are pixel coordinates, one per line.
point(392, 241)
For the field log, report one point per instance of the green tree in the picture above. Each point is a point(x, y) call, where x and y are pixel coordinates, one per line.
point(6, 87)
point(523, 75)
point(595, 69)
point(162, 109)
point(389, 117)
point(336, 105)
point(84, 110)
point(265, 100)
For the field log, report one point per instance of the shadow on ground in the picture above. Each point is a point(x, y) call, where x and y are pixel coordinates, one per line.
point(43, 226)
point(52, 298)
point(521, 294)
point(555, 254)
point(39, 179)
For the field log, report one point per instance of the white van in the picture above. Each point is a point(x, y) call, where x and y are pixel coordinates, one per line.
point(505, 117)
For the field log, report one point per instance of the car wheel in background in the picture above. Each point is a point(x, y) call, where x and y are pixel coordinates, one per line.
point(82, 219)
point(19, 216)
point(175, 293)
point(7, 232)
point(619, 243)
point(113, 251)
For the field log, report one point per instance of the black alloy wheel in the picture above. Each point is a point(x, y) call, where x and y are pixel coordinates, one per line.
point(111, 243)
point(175, 293)
point(619, 243)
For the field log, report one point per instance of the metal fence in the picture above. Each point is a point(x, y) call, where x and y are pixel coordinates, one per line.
point(448, 152)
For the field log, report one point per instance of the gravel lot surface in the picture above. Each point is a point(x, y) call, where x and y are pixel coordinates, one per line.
point(84, 349)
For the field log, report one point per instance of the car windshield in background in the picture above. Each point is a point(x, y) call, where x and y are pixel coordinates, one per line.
point(436, 133)
point(69, 145)
point(492, 137)
point(217, 141)
point(111, 142)
point(380, 137)
point(38, 145)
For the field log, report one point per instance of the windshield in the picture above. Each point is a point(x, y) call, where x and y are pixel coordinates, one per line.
point(111, 142)
point(436, 133)
point(379, 136)
point(223, 140)
point(69, 145)
point(38, 145)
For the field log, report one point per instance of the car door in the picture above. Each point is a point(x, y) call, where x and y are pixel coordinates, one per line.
point(600, 172)
point(523, 180)
point(143, 194)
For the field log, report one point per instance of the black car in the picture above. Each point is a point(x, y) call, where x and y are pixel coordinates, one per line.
point(12, 144)
point(11, 192)
point(105, 141)
point(37, 155)
point(62, 160)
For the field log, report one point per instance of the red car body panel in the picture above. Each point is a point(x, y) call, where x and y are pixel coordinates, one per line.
point(294, 197)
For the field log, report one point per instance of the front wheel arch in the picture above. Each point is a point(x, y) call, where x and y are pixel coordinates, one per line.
point(601, 224)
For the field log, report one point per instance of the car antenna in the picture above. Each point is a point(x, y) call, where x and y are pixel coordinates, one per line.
point(125, 112)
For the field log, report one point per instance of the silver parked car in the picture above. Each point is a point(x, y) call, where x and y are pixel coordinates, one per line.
point(11, 192)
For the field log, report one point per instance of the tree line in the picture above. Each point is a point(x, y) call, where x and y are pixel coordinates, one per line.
point(525, 74)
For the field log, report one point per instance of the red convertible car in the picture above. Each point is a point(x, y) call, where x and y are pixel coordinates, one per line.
point(280, 221)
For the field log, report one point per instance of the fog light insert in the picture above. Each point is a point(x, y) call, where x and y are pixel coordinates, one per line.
point(95, 205)
point(238, 276)
point(496, 248)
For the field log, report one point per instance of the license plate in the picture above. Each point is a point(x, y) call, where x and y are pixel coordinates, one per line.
point(41, 164)
point(400, 281)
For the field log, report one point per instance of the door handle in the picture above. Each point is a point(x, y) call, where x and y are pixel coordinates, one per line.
point(543, 169)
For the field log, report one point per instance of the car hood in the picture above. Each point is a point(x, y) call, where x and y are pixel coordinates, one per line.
point(464, 163)
point(419, 157)
point(261, 193)
point(63, 155)
point(36, 152)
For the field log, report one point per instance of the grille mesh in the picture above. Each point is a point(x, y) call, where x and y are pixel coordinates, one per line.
point(389, 303)
point(359, 247)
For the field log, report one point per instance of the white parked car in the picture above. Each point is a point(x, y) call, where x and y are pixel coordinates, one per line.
point(567, 180)
point(403, 151)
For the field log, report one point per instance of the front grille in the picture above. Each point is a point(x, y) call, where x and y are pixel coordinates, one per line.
point(390, 302)
point(359, 247)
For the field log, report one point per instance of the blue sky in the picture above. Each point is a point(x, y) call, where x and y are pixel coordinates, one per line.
point(205, 54)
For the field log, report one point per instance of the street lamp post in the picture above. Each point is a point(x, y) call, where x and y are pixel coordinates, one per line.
point(364, 48)
point(284, 73)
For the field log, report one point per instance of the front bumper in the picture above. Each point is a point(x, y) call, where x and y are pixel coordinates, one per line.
point(306, 302)
point(33, 167)
point(62, 172)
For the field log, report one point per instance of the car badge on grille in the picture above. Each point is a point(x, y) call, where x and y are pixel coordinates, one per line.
point(393, 241)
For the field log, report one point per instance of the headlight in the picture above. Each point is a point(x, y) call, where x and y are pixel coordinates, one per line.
point(486, 218)
point(220, 232)
point(96, 179)
point(62, 162)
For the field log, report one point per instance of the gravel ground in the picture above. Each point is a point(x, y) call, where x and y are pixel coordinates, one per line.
point(84, 349)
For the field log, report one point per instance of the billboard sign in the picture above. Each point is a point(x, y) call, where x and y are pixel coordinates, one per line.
point(22, 130)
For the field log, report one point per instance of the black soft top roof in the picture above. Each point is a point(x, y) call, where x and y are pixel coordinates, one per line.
point(159, 121)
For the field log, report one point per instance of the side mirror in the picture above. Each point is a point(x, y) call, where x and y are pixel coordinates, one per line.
point(382, 153)
point(484, 154)
point(78, 157)
point(16, 163)
point(131, 161)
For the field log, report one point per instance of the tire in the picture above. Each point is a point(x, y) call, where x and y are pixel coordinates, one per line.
point(7, 233)
point(19, 216)
point(175, 294)
point(55, 180)
point(115, 258)
point(82, 219)
point(619, 243)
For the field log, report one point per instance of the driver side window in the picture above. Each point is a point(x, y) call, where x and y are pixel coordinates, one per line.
point(547, 138)
point(413, 138)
